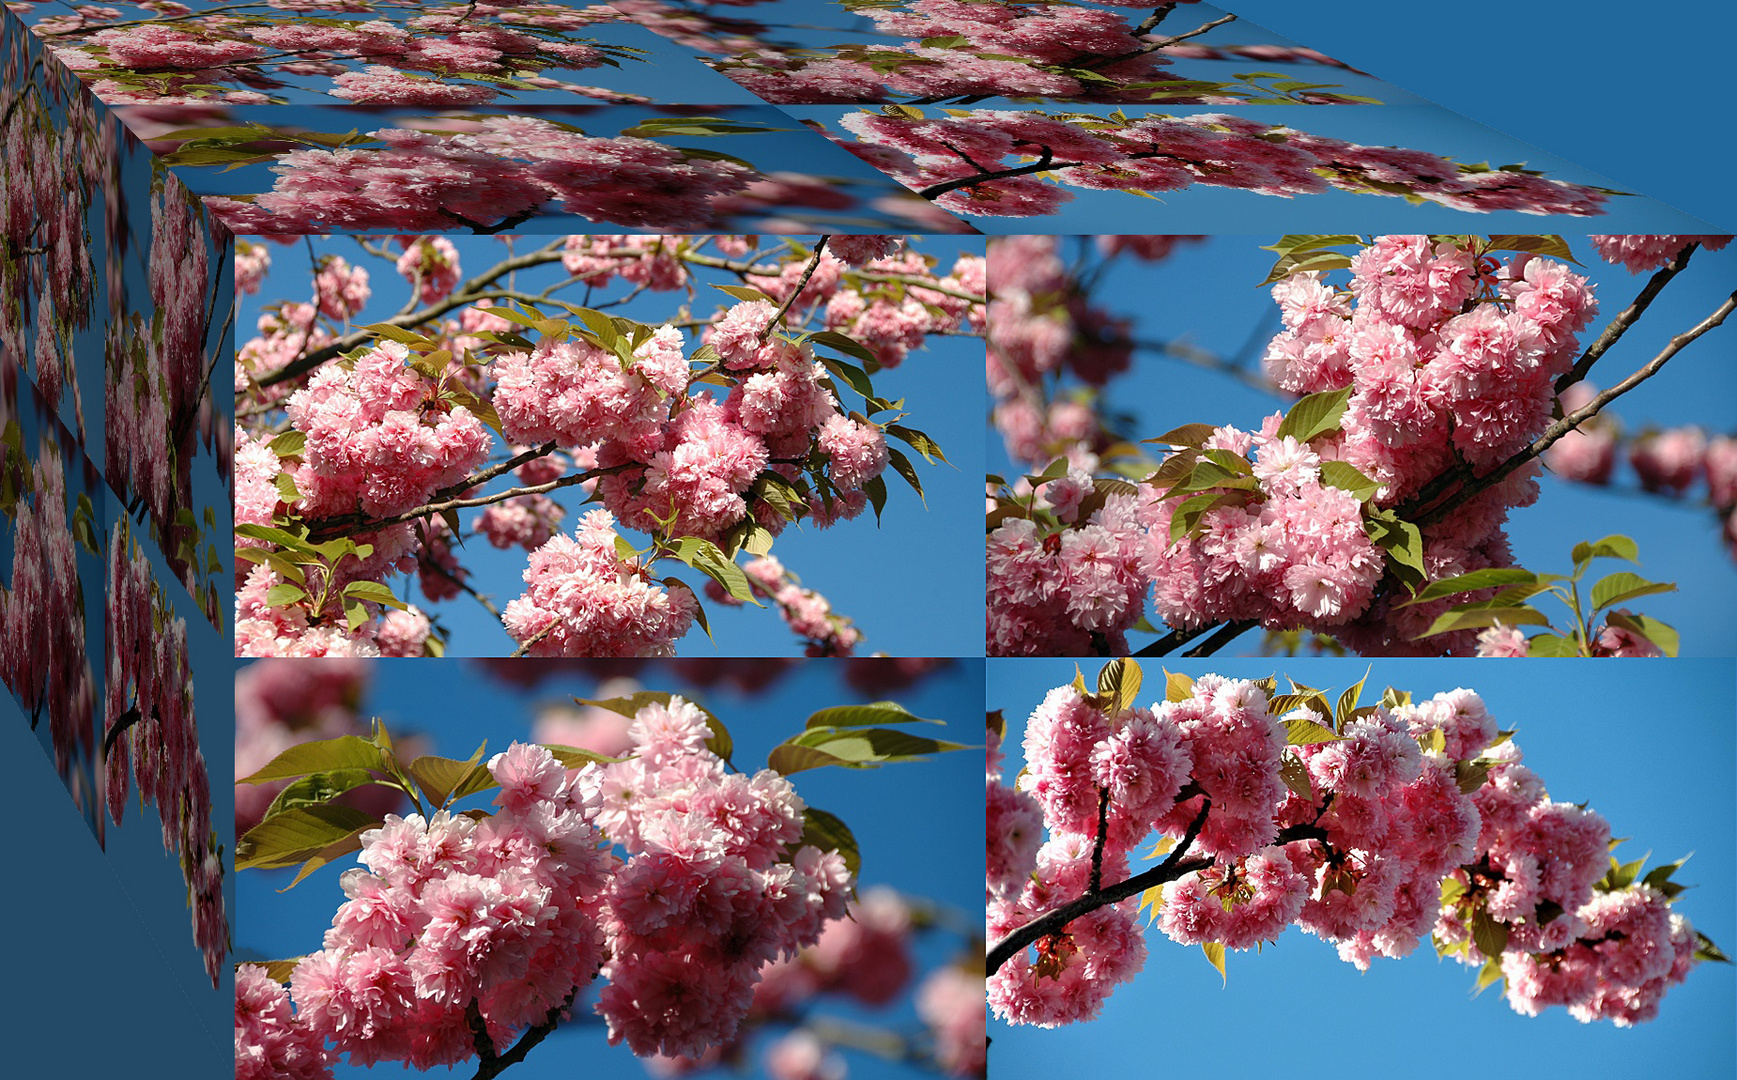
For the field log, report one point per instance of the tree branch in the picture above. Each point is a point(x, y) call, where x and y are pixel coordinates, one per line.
point(802, 283)
point(1053, 922)
point(460, 297)
point(1626, 318)
point(349, 525)
point(494, 1064)
point(1473, 485)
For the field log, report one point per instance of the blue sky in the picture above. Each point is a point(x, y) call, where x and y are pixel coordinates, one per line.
point(1596, 733)
point(1593, 86)
point(1207, 294)
point(925, 846)
point(877, 576)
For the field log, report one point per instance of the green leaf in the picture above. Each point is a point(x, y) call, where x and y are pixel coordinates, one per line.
point(1615, 546)
point(289, 444)
point(1214, 951)
point(286, 593)
point(408, 337)
point(1119, 680)
point(1152, 898)
point(876, 490)
point(1300, 263)
point(316, 789)
point(1477, 618)
point(850, 346)
point(1553, 246)
point(902, 465)
point(879, 712)
point(1348, 477)
point(1177, 686)
point(708, 559)
point(1623, 585)
point(1348, 702)
point(921, 443)
point(1315, 415)
point(1186, 517)
point(850, 373)
point(826, 832)
point(742, 292)
point(1490, 936)
point(1295, 774)
point(856, 748)
point(442, 779)
point(1488, 975)
point(323, 755)
point(574, 758)
point(1301, 732)
point(1477, 579)
point(1403, 543)
point(1706, 950)
point(299, 834)
point(373, 591)
point(1543, 645)
point(1191, 435)
point(270, 535)
point(1470, 775)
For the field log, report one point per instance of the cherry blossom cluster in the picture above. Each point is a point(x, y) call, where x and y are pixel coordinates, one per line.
point(1373, 828)
point(1436, 354)
point(502, 171)
point(808, 614)
point(582, 599)
point(385, 439)
point(1448, 356)
point(1642, 253)
point(55, 158)
point(1671, 462)
point(151, 735)
point(936, 49)
point(865, 958)
point(1020, 164)
point(1043, 327)
point(158, 410)
point(43, 654)
point(405, 55)
point(463, 930)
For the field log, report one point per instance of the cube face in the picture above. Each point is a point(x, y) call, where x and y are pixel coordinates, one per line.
point(118, 293)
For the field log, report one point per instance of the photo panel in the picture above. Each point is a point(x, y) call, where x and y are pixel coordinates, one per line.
point(733, 840)
point(608, 445)
point(1391, 445)
point(1297, 828)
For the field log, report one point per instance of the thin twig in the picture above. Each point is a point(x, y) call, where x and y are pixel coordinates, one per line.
point(331, 529)
point(1474, 485)
point(1098, 844)
point(802, 283)
point(1626, 318)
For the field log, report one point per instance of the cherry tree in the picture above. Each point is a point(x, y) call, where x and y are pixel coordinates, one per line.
point(666, 877)
point(360, 445)
point(1373, 827)
point(1373, 511)
point(1001, 163)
